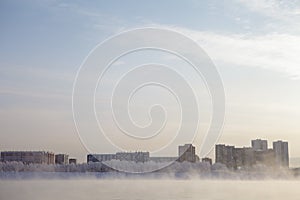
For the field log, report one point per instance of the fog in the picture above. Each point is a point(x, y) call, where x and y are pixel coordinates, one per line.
point(176, 181)
point(148, 189)
point(148, 170)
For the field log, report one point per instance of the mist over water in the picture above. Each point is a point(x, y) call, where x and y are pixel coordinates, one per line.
point(131, 189)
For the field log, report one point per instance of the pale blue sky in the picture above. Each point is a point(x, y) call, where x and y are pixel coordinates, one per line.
point(255, 45)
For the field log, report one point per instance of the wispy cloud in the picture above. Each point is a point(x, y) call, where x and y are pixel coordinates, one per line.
point(273, 8)
point(274, 51)
point(279, 15)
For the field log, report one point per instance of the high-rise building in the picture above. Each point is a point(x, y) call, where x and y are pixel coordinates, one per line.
point(259, 145)
point(281, 151)
point(187, 153)
point(243, 157)
point(234, 158)
point(61, 159)
point(225, 155)
point(27, 157)
point(258, 154)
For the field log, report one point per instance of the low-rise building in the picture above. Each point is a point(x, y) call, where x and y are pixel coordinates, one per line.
point(100, 157)
point(28, 157)
point(138, 156)
point(61, 159)
point(207, 160)
point(122, 156)
point(163, 159)
point(73, 161)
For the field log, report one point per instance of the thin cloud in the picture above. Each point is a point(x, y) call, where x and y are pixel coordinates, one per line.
point(274, 51)
point(273, 8)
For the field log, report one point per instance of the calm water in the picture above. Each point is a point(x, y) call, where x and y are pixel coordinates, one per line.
point(148, 189)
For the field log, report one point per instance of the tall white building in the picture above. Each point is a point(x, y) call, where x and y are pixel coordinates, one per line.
point(281, 151)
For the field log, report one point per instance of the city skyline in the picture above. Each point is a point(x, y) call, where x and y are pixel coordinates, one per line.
point(137, 99)
point(253, 44)
point(186, 152)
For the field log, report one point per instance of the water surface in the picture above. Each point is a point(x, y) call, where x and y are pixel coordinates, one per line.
point(148, 189)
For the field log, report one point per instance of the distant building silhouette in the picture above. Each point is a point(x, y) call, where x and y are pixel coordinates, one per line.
point(28, 157)
point(236, 158)
point(266, 157)
point(138, 156)
point(259, 144)
point(281, 151)
point(225, 155)
point(73, 161)
point(163, 159)
point(61, 159)
point(243, 157)
point(187, 153)
point(100, 157)
point(207, 160)
point(133, 156)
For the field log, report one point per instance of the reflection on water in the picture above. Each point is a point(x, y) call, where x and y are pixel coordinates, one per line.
point(148, 189)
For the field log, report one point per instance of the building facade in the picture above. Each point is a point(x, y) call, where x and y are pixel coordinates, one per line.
point(257, 154)
point(266, 158)
point(28, 157)
point(235, 158)
point(225, 155)
point(207, 160)
point(187, 153)
point(61, 159)
point(100, 157)
point(163, 159)
point(73, 161)
point(259, 145)
point(122, 156)
point(243, 157)
point(138, 156)
point(281, 151)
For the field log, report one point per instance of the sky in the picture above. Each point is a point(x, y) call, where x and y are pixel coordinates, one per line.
point(254, 44)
